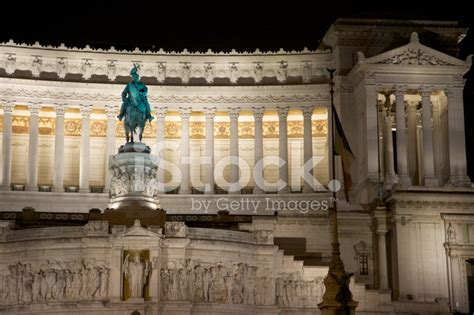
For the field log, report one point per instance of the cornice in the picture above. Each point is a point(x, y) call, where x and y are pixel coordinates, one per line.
point(87, 64)
point(137, 51)
point(74, 94)
point(425, 204)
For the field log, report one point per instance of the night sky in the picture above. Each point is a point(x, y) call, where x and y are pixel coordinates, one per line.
point(198, 26)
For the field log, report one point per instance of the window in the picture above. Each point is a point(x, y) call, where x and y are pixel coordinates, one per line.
point(363, 265)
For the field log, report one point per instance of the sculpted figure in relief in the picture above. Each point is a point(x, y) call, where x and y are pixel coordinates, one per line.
point(258, 71)
point(111, 70)
point(282, 71)
point(233, 73)
point(10, 64)
point(185, 73)
point(61, 68)
point(161, 75)
point(36, 67)
point(307, 73)
point(137, 272)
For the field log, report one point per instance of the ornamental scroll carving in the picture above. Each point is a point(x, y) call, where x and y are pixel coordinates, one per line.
point(414, 56)
point(54, 281)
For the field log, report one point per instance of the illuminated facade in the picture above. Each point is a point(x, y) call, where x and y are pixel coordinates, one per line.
point(399, 99)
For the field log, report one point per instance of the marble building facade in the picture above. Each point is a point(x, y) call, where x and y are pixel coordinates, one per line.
point(399, 99)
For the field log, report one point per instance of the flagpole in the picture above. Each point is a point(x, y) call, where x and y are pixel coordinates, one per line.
point(337, 297)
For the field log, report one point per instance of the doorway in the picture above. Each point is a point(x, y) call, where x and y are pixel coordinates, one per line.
point(470, 283)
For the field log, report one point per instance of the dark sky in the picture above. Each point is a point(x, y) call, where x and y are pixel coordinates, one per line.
point(197, 25)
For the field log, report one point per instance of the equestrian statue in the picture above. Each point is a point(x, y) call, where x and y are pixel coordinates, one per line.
point(135, 109)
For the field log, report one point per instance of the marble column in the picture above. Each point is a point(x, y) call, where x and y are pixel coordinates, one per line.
point(283, 147)
point(7, 145)
point(390, 177)
point(58, 183)
point(84, 160)
point(381, 217)
point(160, 144)
point(234, 150)
point(383, 274)
point(430, 180)
point(402, 154)
point(185, 156)
point(371, 130)
point(456, 135)
point(437, 142)
point(308, 149)
point(209, 113)
point(111, 112)
point(258, 145)
point(33, 142)
point(381, 136)
point(411, 140)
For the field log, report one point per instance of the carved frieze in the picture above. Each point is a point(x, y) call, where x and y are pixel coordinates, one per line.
point(175, 229)
point(414, 56)
point(98, 128)
point(55, 281)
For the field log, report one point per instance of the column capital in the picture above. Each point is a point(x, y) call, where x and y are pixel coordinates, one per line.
point(258, 112)
point(111, 111)
point(85, 110)
point(412, 105)
point(210, 112)
point(283, 111)
point(8, 107)
point(400, 90)
point(34, 108)
point(185, 112)
point(307, 111)
point(234, 112)
point(161, 111)
point(448, 92)
point(60, 109)
point(389, 119)
point(426, 91)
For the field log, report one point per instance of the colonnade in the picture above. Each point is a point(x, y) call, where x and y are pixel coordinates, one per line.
point(419, 157)
point(160, 112)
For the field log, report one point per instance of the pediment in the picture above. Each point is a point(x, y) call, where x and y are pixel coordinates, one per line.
point(415, 54)
point(137, 230)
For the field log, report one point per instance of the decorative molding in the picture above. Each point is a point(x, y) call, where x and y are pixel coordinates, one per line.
point(415, 54)
point(98, 128)
point(417, 204)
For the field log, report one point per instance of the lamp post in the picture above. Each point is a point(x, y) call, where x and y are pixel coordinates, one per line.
point(337, 298)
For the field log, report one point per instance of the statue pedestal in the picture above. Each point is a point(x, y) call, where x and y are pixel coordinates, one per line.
point(133, 187)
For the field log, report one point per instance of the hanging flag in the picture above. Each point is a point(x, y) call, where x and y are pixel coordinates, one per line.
point(341, 147)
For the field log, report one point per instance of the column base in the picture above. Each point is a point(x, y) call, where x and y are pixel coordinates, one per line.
point(334, 307)
point(404, 181)
point(431, 182)
point(6, 188)
point(390, 181)
point(84, 190)
point(57, 189)
point(31, 188)
point(460, 181)
point(184, 191)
